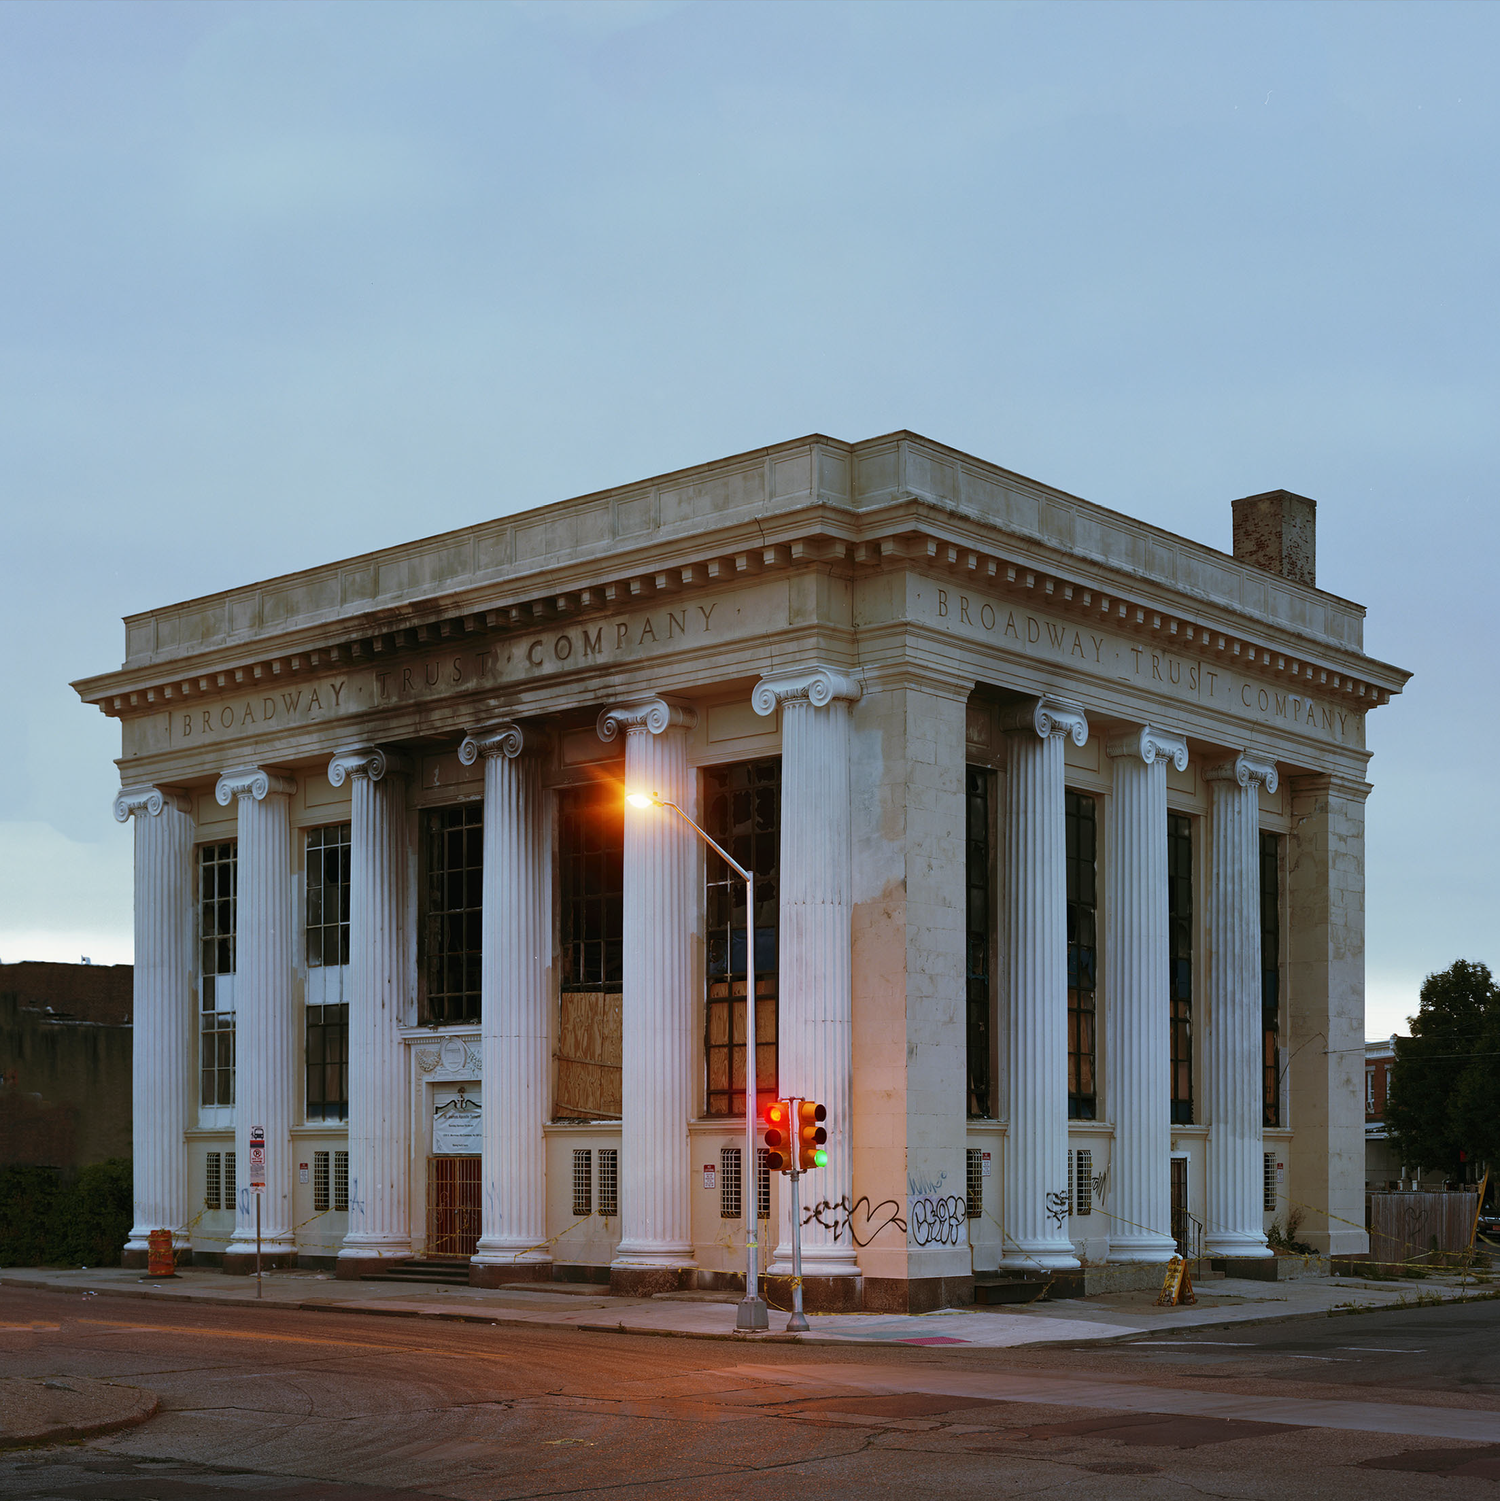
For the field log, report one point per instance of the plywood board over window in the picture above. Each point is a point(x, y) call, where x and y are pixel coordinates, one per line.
point(588, 1056)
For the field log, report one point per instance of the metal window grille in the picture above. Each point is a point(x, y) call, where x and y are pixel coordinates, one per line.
point(1083, 953)
point(591, 885)
point(583, 1181)
point(452, 915)
point(731, 1194)
point(213, 1180)
point(328, 1062)
point(1069, 1184)
point(453, 1206)
point(609, 1182)
point(231, 1190)
point(218, 870)
point(328, 895)
point(341, 1181)
point(1180, 922)
point(763, 1181)
point(1270, 977)
point(320, 1182)
point(1083, 1180)
point(1269, 1194)
point(742, 810)
point(974, 1174)
point(979, 939)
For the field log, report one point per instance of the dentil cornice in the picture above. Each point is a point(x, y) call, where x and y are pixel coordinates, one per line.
point(1149, 743)
point(1247, 769)
point(652, 716)
point(505, 738)
point(1049, 716)
point(372, 761)
point(150, 801)
point(817, 686)
point(253, 781)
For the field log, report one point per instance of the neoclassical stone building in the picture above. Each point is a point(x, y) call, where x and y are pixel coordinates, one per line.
point(1057, 827)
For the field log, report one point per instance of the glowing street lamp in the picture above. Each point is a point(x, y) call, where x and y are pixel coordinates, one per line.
point(751, 1314)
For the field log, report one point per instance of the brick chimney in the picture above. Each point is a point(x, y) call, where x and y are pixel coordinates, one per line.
point(1277, 531)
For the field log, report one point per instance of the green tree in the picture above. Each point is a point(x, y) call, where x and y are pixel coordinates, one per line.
point(1443, 1101)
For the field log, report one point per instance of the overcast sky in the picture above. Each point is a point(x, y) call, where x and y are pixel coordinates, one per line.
point(285, 282)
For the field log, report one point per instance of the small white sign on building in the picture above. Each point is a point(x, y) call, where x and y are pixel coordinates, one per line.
point(456, 1129)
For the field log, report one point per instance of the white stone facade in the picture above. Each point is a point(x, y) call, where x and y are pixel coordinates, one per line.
point(1063, 921)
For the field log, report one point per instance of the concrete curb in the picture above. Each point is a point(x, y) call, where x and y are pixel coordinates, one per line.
point(51, 1430)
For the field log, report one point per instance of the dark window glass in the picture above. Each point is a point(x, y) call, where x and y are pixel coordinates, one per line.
point(218, 895)
point(218, 871)
point(742, 810)
point(328, 1063)
point(1180, 922)
point(453, 851)
point(979, 923)
point(1270, 976)
point(1083, 954)
point(328, 896)
point(591, 861)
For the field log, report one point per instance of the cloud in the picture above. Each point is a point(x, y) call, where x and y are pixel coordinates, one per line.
point(61, 899)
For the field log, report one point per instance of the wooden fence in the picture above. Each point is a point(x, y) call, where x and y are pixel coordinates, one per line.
point(1407, 1226)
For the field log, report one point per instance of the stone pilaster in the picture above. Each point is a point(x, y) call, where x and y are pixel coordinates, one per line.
point(1324, 1012)
point(161, 1067)
point(1232, 1030)
point(1137, 979)
point(657, 1086)
point(814, 1014)
point(1036, 969)
point(266, 1043)
point(379, 1090)
point(516, 984)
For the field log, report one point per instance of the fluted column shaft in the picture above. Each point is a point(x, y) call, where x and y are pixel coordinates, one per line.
point(161, 1068)
point(1137, 979)
point(266, 1042)
point(1036, 1176)
point(1235, 1214)
point(657, 1093)
point(815, 1008)
point(515, 988)
point(379, 1092)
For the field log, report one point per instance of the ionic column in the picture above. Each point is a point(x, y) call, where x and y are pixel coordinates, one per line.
point(1137, 978)
point(1235, 1217)
point(515, 987)
point(379, 1091)
point(814, 1008)
point(1036, 962)
point(657, 1093)
point(161, 1063)
point(266, 1043)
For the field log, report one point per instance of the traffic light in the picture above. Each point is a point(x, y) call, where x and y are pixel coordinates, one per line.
point(810, 1135)
point(778, 1136)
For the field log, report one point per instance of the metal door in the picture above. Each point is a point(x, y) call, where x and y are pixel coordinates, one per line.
point(452, 1207)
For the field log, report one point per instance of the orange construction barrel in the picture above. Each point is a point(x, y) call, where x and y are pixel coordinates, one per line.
point(159, 1259)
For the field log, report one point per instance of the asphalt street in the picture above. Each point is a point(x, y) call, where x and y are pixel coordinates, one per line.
point(306, 1406)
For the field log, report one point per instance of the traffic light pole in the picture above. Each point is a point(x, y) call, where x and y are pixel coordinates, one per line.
point(751, 1315)
point(797, 1324)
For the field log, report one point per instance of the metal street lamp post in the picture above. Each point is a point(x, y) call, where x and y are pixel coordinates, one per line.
point(751, 1315)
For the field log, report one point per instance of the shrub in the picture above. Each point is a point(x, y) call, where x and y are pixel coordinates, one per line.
point(53, 1217)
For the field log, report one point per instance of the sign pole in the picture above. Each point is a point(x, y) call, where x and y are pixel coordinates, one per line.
point(257, 1244)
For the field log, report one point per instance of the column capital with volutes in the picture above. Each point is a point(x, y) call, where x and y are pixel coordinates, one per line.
point(1150, 744)
point(256, 782)
point(150, 801)
point(1046, 717)
point(503, 738)
point(373, 762)
point(817, 686)
point(1249, 768)
point(646, 716)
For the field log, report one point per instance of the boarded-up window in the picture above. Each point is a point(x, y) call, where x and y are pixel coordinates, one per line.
point(588, 1056)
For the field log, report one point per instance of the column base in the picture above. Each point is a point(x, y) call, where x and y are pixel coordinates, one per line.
point(1140, 1248)
point(642, 1277)
point(1236, 1246)
point(820, 1293)
point(238, 1262)
point(1045, 1255)
point(498, 1273)
point(354, 1262)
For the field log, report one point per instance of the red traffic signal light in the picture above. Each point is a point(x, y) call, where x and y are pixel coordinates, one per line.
point(778, 1136)
point(810, 1135)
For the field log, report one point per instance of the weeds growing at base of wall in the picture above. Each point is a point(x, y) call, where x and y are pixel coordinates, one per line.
point(65, 1217)
point(1286, 1240)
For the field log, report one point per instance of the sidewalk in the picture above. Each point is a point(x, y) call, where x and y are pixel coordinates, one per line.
point(711, 1316)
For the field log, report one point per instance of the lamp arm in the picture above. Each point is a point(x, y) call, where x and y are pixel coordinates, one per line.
point(712, 843)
